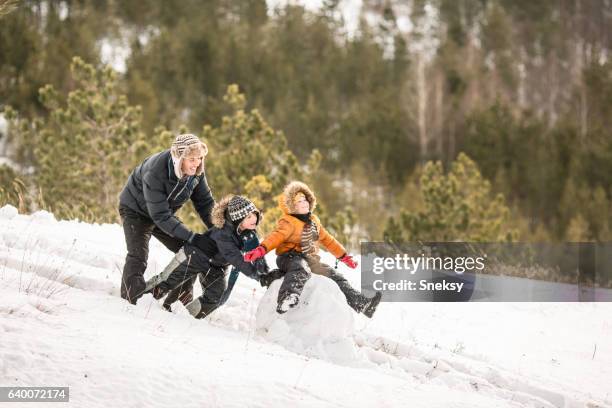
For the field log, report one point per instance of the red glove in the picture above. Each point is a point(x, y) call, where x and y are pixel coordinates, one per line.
point(257, 253)
point(349, 261)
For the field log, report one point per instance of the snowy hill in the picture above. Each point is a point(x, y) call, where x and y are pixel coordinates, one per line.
point(62, 323)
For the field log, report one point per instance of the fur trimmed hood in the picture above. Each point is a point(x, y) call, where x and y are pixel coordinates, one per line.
point(286, 199)
point(219, 213)
point(288, 235)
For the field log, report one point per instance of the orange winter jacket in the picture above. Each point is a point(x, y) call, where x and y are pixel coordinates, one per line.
point(288, 234)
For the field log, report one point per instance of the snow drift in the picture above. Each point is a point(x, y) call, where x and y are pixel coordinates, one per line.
point(62, 323)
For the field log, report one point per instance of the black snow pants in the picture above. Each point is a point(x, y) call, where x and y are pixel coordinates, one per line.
point(298, 268)
point(193, 261)
point(138, 231)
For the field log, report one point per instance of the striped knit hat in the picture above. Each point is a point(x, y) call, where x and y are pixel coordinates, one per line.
point(187, 145)
point(239, 207)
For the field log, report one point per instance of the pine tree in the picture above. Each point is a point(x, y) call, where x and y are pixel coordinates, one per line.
point(248, 157)
point(84, 148)
point(246, 146)
point(6, 6)
point(578, 230)
point(458, 205)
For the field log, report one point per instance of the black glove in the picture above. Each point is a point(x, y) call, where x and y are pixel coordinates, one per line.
point(261, 266)
point(205, 244)
point(266, 280)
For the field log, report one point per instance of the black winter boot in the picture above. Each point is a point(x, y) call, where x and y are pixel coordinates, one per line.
point(288, 302)
point(372, 305)
point(199, 309)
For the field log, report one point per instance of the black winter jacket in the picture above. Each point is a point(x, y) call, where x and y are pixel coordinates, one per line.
point(223, 247)
point(230, 246)
point(154, 191)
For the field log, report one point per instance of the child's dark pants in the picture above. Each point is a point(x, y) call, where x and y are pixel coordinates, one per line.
point(298, 269)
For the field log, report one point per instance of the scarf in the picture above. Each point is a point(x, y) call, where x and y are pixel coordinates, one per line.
point(310, 234)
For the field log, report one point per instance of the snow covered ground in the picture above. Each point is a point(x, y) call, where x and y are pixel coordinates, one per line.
point(62, 323)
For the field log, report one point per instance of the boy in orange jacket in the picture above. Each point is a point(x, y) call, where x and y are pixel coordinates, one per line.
point(296, 239)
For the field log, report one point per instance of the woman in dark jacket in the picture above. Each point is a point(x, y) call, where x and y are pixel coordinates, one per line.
point(234, 219)
point(155, 190)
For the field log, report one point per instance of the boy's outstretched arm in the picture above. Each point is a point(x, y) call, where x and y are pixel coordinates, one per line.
point(280, 234)
point(232, 254)
point(330, 243)
point(333, 246)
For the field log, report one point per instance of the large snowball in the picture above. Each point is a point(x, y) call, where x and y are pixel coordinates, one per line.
point(321, 325)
